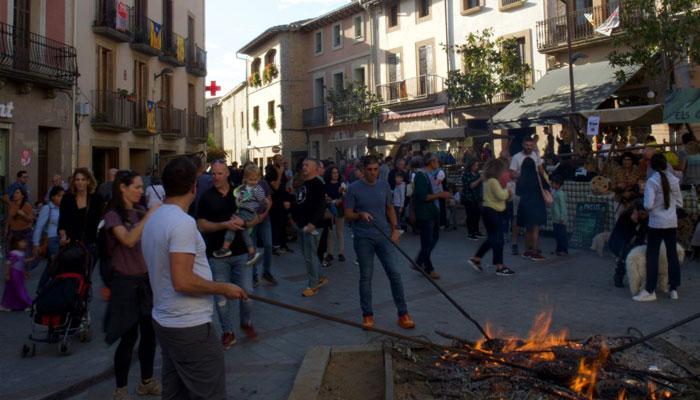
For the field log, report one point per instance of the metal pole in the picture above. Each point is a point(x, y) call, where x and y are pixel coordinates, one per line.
point(569, 51)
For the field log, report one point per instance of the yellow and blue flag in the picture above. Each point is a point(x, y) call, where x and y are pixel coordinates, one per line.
point(151, 116)
point(181, 49)
point(154, 29)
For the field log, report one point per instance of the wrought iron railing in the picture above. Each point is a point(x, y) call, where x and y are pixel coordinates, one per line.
point(174, 47)
point(112, 110)
point(196, 58)
point(35, 57)
point(552, 32)
point(315, 117)
point(172, 121)
point(416, 88)
point(196, 128)
point(107, 15)
point(142, 34)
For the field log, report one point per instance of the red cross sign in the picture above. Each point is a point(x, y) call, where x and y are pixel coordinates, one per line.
point(212, 88)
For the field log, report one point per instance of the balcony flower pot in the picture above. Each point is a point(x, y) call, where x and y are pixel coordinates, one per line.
point(270, 73)
point(254, 80)
point(271, 123)
point(255, 124)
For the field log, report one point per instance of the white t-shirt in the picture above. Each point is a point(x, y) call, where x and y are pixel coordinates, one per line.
point(171, 230)
point(517, 162)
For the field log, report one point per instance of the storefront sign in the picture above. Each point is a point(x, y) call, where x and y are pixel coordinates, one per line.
point(6, 109)
point(593, 125)
point(25, 157)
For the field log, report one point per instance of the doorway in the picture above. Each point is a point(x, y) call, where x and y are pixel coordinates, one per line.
point(139, 161)
point(104, 158)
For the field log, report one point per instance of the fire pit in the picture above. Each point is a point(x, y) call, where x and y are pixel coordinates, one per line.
point(544, 365)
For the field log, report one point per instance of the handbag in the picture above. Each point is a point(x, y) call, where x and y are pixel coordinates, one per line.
point(546, 194)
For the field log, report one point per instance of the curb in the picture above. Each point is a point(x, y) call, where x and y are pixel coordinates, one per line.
point(80, 386)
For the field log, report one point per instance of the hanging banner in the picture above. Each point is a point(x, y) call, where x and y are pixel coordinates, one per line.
point(611, 23)
point(154, 29)
point(122, 20)
point(181, 49)
point(593, 125)
point(151, 117)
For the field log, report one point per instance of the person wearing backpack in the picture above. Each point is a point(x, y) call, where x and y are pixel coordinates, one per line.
point(131, 300)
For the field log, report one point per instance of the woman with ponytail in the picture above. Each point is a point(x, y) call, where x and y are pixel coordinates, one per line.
point(662, 195)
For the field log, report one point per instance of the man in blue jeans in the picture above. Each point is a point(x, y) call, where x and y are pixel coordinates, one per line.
point(263, 235)
point(369, 204)
point(215, 215)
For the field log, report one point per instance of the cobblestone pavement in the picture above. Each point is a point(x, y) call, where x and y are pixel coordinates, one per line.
point(577, 289)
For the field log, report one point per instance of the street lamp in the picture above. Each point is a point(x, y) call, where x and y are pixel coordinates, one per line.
point(164, 71)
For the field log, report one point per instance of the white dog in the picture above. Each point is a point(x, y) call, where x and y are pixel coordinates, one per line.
point(600, 242)
point(636, 264)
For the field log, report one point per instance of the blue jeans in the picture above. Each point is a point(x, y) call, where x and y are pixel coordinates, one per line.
point(366, 248)
point(654, 238)
point(232, 270)
point(493, 221)
point(561, 238)
point(429, 235)
point(309, 249)
point(263, 233)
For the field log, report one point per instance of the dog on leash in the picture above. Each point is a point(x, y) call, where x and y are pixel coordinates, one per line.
point(636, 264)
point(600, 242)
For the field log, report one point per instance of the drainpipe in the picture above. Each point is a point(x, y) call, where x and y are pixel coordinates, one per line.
point(75, 128)
point(247, 120)
point(448, 50)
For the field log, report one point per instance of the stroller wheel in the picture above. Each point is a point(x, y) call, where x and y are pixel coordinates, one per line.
point(63, 348)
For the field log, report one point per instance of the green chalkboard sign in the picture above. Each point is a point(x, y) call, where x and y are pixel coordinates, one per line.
point(589, 221)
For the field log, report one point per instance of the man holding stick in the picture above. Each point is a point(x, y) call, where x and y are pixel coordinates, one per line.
point(369, 205)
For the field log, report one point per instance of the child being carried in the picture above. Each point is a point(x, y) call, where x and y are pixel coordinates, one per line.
point(250, 198)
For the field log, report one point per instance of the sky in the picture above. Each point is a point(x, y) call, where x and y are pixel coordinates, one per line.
point(230, 24)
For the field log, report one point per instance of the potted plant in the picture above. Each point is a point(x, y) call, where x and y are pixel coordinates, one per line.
point(254, 80)
point(255, 124)
point(270, 73)
point(271, 123)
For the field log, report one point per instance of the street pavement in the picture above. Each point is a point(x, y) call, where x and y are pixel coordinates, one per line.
point(577, 290)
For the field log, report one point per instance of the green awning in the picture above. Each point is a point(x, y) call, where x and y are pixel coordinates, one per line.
point(682, 106)
point(548, 101)
point(443, 134)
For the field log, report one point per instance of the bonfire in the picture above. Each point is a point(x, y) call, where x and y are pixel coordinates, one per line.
point(545, 365)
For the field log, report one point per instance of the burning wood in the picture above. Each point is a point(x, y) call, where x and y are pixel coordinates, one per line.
point(545, 365)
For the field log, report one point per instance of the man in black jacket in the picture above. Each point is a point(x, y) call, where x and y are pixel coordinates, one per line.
point(281, 201)
point(307, 214)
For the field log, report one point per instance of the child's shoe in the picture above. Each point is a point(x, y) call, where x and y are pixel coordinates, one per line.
point(222, 253)
point(252, 258)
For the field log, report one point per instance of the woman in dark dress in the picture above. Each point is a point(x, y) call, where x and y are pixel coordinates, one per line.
point(80, 212)
point(532, 211)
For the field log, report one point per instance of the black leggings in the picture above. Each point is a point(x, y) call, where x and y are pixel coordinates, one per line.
point(147, 351)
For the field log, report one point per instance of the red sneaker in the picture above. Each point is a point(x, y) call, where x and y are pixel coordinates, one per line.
point(368, 321)
point(228, 339)
point(406, 322)
point(250, 332)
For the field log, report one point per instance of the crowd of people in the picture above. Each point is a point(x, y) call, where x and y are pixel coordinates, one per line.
point(166, 246)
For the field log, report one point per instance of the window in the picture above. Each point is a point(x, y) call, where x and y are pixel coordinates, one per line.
point(425, 68)
point(318, 42)
point(423, 8)
point(255, 66)
point(256, 118)
point(359, 27)
point(319, 95)
point(337, 36)
point(395, 85)
point(242, 120)
point(271, 108)
point(105, 69)
point(521, 49)
point(358, 76)
point(393, 14)
point(270, 57)
point(470, 4)
point(338, 81)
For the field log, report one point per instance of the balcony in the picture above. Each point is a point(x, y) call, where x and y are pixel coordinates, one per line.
point(143, 41)
point(174, 49)
point(315, 117)
point(551, 33)
point(172, 122)
point(112, 21)
point(196, 60)
point(418, 89)
point(31, 58)
point(112, 111)
point(196, 128)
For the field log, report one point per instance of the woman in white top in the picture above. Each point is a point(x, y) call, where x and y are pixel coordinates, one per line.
point(662, 195)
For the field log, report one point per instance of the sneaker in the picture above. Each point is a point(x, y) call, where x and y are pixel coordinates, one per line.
point(537, 256)
point(4, 309)
point(644, 296)
point(673, 294)
point(308, 292)
point(149, 387)
point(326, 264)
point(406, 322)
point(476, 264)
point(322, 282)
point(480, 235)
point(249, 332)
point(328, 258)
point(473, 238)
point(121, 394)
point(228, 339)
point(269, 279)
point(221, 253)
point(356, 262)
point(368, 321)
point(315, 232)
point(434, 275)
point(253, 258)
point(505, 271)
point(527, 254)
point(341, 258)
point(256, 281)
point(514, 250)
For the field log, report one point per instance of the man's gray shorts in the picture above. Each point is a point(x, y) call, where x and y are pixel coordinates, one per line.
point(193, 363)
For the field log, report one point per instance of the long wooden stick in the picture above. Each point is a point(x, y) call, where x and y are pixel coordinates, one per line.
point(655, 334)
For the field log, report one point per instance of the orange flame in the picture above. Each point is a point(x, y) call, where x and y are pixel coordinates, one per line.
point(585, 380)
point(621, 395)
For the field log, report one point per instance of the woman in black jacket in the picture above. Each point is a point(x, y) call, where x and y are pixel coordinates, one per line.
point(80, 212)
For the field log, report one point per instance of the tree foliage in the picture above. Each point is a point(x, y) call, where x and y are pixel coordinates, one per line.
point(490, 67)
point(659, 35)
point(353, 104)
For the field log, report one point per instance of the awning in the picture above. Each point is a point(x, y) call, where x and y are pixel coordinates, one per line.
point(361, 141)
point(414, 113)
point(457, 133)
point(628, 116)
point(548, 101)
point(682, 106)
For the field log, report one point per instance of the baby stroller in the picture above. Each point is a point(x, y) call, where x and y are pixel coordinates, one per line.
point(61, 307)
